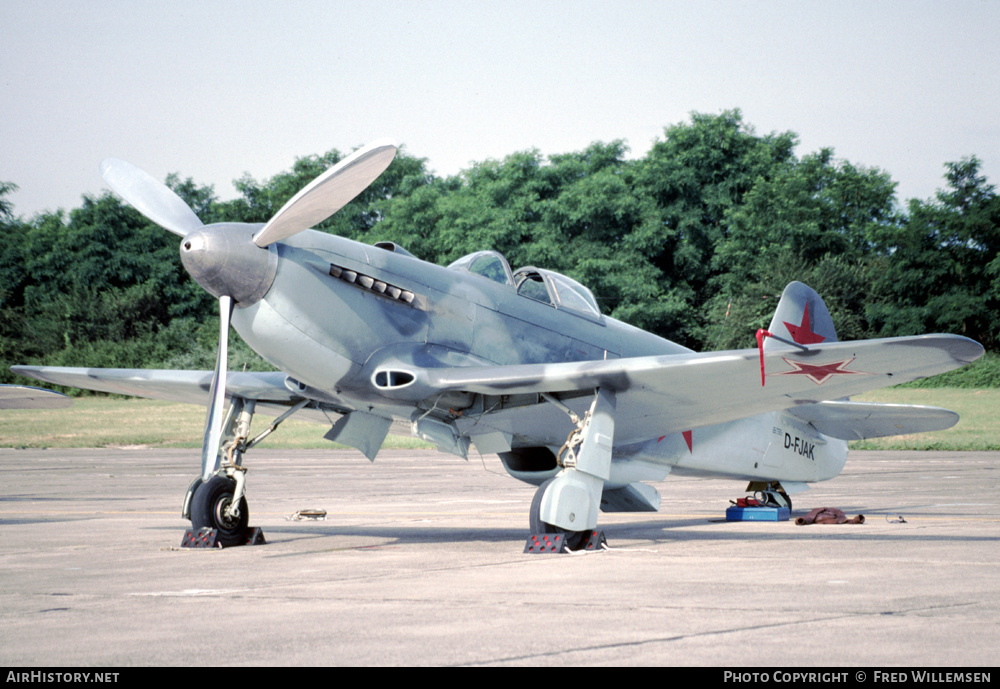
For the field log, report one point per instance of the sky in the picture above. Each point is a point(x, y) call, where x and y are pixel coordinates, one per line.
point(213, 90)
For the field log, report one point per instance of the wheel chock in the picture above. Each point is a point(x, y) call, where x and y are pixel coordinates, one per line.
point(255, 536)
point(209, 538)
point(556, 543)
point(200, 538)
point(545, 543)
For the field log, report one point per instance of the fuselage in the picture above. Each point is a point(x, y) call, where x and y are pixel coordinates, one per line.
point(461, 314)
point(338, 313)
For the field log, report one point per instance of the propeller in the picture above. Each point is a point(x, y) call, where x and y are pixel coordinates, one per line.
point(217, 393)
point(230, 263)
point(329, 192)
point(155, 200)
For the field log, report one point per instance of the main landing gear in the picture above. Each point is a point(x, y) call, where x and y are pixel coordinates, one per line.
point(566, 506)
point(572, 540)
point(216, 502)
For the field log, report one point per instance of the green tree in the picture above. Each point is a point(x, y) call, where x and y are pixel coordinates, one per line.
point(809, 221)
point(12, 281)
point(201, 199)
point(938, 270)
point(695, 175)
point(6, 206)
point(104, 275)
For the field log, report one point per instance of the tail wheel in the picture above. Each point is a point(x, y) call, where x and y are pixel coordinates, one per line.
point(208, 510)
point(771, 498)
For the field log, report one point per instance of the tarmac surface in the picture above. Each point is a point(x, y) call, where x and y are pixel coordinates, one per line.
point(420, 562)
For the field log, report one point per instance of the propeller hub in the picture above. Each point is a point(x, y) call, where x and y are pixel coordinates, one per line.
point(224, 260)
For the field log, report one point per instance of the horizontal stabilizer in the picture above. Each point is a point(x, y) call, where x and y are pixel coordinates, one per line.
point(860, 420)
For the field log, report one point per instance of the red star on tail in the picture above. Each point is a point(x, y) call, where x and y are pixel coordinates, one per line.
point(803, 333)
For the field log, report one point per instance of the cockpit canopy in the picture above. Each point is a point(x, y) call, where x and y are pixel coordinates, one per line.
point(534, 283)
point(488, 264)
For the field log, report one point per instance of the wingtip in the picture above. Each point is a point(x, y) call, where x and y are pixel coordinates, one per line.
point(968, 350)
point(960, 347)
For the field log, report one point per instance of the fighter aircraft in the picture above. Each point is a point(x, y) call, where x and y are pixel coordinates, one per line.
point(369, 339)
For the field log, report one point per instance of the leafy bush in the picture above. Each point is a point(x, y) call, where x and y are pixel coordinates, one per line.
point(982, 373)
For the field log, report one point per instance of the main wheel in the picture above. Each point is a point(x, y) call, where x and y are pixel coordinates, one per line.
point(208, 508)
point(574, 539)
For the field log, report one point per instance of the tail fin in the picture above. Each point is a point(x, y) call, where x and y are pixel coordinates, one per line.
point(801, 317)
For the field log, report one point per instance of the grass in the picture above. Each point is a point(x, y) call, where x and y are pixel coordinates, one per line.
point(113, 422)
point(978, 429)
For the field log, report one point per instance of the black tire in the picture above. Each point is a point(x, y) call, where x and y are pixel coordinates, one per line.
point(775, 503)
point(208, 504)
point(574, 539)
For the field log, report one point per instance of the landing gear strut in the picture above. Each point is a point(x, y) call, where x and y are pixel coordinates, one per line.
point(567, 505)
point(216, 501)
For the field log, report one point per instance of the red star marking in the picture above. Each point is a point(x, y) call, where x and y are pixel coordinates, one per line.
point(803, 333)
point(819, 373)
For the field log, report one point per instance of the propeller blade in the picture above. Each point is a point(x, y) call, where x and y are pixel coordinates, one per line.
point(217, 401)
point(329, 192)
point(155, 200)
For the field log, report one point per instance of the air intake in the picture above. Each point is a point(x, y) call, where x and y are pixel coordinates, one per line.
point(392, 379)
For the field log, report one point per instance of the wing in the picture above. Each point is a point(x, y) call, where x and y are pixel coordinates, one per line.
point(658, 395)
point(268, 389)
point(27, 397)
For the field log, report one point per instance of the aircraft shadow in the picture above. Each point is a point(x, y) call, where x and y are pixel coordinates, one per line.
point(663, 533)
